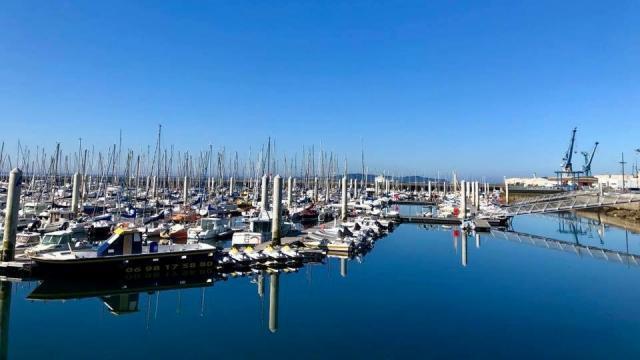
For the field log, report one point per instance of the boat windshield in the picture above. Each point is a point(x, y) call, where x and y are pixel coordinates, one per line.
point(208, 223)
point(51, 239)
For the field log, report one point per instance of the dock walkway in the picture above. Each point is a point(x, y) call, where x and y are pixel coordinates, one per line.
point(412, 202)
point(417, 219)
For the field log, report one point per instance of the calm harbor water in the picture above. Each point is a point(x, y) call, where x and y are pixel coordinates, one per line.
point(413, 295)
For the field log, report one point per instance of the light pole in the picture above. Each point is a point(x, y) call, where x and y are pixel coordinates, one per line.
point(622, 162)
point(637, 151)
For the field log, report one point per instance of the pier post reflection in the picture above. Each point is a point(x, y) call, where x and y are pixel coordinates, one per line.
point(343, 268)
point(477, 236)
point(464, 248)
point(273, 302)
point(122, 303)
point(5, 311)
point(455, 240)
point(260, 281)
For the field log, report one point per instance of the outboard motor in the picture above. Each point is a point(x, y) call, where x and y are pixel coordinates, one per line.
point(357, 227)
point(346, 231)
point(378, 224)
point(35, 225)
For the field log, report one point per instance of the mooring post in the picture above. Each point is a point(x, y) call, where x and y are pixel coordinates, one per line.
point(353, 191)
point(11, 215)
point(264, 194)
point(326, 191)
point(289, 191)
point(185, 191)
point(343, 213)
point(75, 195)
point(506, 192)
point(463, 200)
point(277, 210)
point(473, 195)
point(315, 189)
point(600, 190)
point(476, 195)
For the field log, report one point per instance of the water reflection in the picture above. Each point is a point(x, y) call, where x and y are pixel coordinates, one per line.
point(464, 248)
point(343, 268)
point(5, 311)
point(577, 232)
point(125, 297)
point(274, 285)
point(122, 304)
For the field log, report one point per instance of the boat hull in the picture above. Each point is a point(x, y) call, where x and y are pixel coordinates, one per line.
point(154, 264)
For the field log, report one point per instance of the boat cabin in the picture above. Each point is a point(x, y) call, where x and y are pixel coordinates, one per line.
point(54, 216)
point(260, 225)
point(58, 238)
point(33, 207)
point(249, 238)
point(26, 239)
point(211, 223)
point(122, 242)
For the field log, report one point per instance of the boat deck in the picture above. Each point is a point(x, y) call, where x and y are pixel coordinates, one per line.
point(91, 253)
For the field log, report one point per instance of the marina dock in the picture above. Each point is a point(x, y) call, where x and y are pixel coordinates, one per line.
point(416, 219)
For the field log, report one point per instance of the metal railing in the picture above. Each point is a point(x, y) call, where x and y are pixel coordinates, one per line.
point(576, 202)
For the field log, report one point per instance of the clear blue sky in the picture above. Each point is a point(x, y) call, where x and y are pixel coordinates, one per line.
point(485, 87)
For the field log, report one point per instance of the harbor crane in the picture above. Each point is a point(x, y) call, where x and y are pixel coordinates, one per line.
point(588, 159)
point(567, 166)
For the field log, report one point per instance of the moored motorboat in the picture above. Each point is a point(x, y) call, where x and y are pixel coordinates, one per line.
point(238, 256)
point(177, 233)
point(274, 254)
point(209, 229)
point(53, 241)
point(253, 254)
point(290, 253)
point(26, 239)
point(125, 253)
